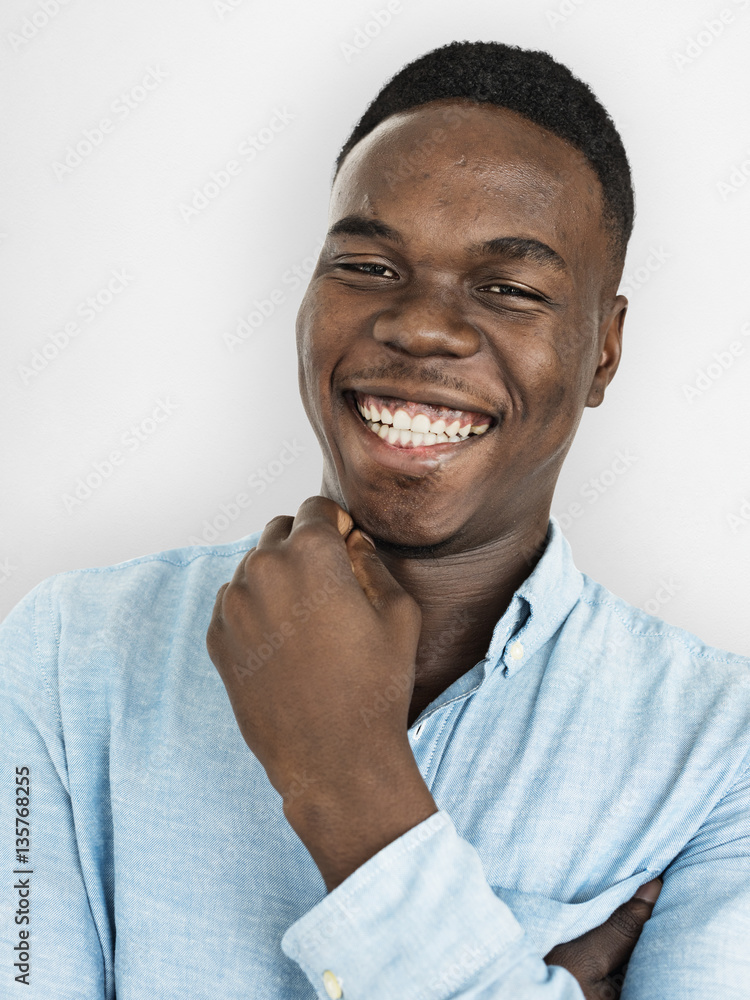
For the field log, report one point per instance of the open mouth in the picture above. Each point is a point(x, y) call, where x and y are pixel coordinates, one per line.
point(406, 424)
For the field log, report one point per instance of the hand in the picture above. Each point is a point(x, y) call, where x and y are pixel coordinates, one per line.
point(308, 636)
point(596, 957)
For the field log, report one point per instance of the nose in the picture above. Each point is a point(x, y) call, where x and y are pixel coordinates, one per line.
point(426, 322)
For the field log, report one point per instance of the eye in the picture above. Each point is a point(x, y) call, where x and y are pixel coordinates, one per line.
point(513, 292)
point(360, 268)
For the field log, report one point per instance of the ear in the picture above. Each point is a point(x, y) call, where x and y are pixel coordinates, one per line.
point(610, 341)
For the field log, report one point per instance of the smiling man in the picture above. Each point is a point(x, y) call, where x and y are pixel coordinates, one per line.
point(448, 760)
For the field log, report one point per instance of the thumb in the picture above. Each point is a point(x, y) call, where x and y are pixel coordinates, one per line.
point(619, 935)
point(372, 575)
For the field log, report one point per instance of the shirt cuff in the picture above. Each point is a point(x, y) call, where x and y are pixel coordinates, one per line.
point(418, 919)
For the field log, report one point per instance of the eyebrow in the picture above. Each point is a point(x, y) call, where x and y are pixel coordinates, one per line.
point(358, 225)
point(511, 247)
point(519, 248)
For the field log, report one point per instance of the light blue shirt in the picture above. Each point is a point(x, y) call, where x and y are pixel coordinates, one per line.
point(593, 748)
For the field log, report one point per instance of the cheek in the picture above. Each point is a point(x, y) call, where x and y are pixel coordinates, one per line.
point(311, 348)
point(559, 404)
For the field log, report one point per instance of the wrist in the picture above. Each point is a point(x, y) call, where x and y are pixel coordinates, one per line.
point(344, 826)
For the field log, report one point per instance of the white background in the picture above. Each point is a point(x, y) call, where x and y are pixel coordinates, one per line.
point(670, 533)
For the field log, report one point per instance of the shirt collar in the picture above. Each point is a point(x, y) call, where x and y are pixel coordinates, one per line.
point(539, 606)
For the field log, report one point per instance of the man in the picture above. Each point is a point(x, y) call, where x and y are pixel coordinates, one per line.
point(433, 753)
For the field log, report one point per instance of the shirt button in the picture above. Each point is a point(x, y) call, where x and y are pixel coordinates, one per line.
point(332, 985)
point(516, 650)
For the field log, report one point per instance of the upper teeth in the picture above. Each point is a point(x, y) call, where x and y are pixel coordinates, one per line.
point(417, 430)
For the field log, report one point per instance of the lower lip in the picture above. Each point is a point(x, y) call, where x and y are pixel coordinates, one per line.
point(423, 458)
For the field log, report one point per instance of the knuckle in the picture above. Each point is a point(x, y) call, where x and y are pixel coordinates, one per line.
point(580, 958)
point(232, 603)
point(212, 638)
point(279, 518)
point(260, 561)
point(605, 990)
point(591, 967)
point(312, 536)
point(626, 922)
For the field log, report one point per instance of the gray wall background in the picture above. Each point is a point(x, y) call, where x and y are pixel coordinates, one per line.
point(123, 292)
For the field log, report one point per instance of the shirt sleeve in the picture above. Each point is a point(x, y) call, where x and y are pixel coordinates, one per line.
point(419, 920)
point(696, 945)
point(49, 896)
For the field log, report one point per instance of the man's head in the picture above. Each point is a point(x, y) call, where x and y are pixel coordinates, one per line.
point(479, 216)
point(532, 84)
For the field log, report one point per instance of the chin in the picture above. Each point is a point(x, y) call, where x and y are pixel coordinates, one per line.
point(402, 530)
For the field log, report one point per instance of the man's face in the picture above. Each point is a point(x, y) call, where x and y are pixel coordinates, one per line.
point(412, 308)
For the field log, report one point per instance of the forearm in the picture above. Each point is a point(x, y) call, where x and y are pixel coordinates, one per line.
point(344, 826)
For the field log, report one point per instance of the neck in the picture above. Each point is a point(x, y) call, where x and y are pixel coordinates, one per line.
point(462, 596)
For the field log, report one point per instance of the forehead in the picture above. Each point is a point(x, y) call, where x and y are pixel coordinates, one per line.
point(458, 161)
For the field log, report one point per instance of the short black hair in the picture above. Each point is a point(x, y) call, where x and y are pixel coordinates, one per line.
point(532, 84)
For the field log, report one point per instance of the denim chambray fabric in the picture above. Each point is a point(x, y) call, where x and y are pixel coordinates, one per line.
point(593, 748)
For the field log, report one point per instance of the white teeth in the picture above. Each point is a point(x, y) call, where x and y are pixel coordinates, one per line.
point(417, 430)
